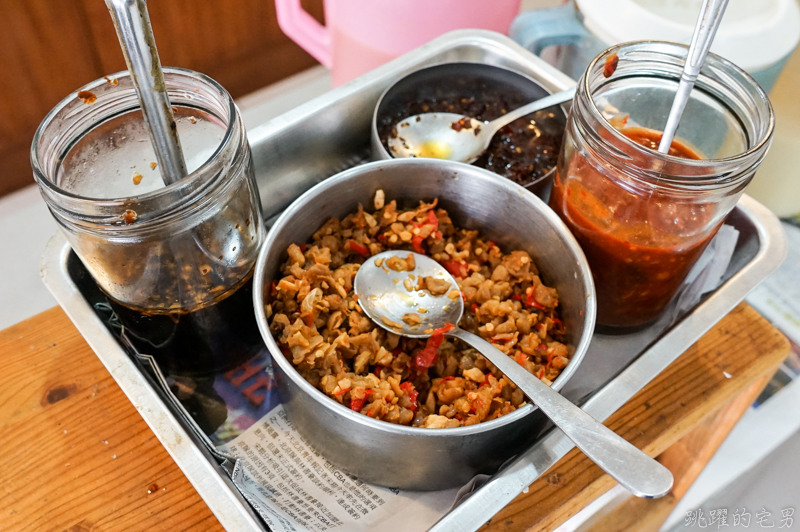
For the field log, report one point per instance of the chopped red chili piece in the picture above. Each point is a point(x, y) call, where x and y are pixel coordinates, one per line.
point(342, 392)
point(273, 288)
point(448, 378)
point(417, 243)
point(530, 300)
point(302, 248)
point(474, 308)
point(516, 297)
point(541, 347)
point(412, 394)
point(358, 404)
point(541, 373)
point(361, 249)
point(457, 269)
point(433, 220)
point(428, 355)
point(486, 380)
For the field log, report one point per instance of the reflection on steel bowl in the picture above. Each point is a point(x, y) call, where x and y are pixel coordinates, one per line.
point(525, 151)
point(317, 320)
point(406, 456)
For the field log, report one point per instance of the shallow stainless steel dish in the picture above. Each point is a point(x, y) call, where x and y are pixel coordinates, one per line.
point(457, 80)
point(408, 457)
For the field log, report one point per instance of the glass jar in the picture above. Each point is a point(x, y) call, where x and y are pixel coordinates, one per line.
point(644, 218)
point(175, 261)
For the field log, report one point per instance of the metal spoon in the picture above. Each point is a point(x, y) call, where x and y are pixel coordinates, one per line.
point(382, 294)
point(135, 34)
point(457, 137)
point(704, 32)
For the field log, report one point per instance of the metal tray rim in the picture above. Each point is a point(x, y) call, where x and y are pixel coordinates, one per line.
point(209, 479)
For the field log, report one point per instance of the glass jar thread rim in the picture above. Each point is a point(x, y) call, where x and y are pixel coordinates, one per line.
point(751, 153)
point(188, 183)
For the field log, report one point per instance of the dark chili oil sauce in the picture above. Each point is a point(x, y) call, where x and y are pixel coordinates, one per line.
point(523, 151)
point(209, 339)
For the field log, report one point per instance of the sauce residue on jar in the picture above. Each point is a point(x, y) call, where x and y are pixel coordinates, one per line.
point(639, 247)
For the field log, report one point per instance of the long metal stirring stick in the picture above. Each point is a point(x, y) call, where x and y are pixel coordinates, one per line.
point(139, 47)
point(707, 23)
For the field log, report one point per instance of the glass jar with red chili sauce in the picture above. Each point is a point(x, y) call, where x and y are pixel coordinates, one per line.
point(644, 218)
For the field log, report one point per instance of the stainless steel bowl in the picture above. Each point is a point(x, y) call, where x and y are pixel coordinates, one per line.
point(407, 457)
point(458, 80)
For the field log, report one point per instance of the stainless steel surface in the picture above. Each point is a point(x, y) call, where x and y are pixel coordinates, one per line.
point(385, 299)
point(135, 34)
point(423, 459)
point(308, 144)
point(433, 134)
point(763, 227)
point(382, 294)
point(704, 31)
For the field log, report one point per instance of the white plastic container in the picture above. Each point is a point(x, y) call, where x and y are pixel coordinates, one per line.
point(756, 35)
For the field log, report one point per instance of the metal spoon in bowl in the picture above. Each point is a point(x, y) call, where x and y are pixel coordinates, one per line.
point(457, 137)
point(383, 294)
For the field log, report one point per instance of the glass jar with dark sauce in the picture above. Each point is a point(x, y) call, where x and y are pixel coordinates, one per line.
point(176, 261)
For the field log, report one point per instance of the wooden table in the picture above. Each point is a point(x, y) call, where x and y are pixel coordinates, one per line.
point(76, 456)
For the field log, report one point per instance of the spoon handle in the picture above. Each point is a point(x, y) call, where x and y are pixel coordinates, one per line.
point(634, 470)
point(707, 23)
point(538, 105)
point(139, 48)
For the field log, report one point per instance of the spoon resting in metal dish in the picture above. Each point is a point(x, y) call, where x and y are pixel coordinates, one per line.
point(457, 137)
point(384, 298)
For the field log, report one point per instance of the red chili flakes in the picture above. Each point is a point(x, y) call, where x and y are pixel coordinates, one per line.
point(412, 394)
point(358, 404)
point(428, 355)
point(611, 65)
point(88, 97)
point(361, 249)
point(464, 123)
point(457, 269)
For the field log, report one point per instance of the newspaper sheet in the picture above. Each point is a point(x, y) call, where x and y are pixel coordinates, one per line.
point(294, 488)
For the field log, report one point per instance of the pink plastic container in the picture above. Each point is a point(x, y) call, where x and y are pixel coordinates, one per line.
point(360, 35)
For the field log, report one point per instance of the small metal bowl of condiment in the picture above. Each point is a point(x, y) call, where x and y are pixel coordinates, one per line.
point(526, 151)
point(403, 456)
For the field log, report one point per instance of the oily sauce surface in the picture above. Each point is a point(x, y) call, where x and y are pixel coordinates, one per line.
point(523, 151)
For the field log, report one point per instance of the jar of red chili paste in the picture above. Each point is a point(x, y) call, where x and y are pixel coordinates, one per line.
point(644, 218)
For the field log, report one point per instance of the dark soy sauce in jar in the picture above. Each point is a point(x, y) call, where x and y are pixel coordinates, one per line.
point(208, 339)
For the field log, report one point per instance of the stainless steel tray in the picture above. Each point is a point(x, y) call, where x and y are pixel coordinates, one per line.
point(316, 140)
